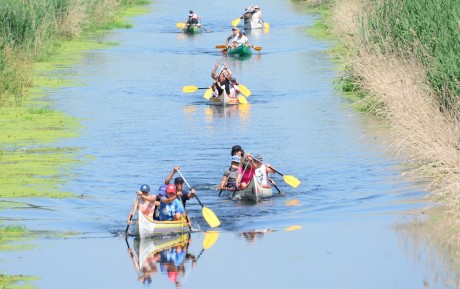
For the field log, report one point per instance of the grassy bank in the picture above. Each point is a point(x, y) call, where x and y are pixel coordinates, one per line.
point(401, 59)
point(38, 38)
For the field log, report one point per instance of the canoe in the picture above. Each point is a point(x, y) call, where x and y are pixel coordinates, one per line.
point(253, 192)
point(146, 227)
point(224, 100)
point(193, 29)
point(241, 51)
point(249, 24)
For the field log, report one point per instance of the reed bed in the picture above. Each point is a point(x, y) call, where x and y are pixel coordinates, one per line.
point(404, 56)
point(31, 30)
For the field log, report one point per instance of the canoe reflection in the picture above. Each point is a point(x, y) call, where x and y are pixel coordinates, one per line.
point(166, 254)
point(251, 236)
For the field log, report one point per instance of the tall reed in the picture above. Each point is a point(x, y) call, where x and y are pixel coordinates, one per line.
point(425, 28)
point(31, 29)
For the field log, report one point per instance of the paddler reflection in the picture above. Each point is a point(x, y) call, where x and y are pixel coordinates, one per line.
point(167, 254)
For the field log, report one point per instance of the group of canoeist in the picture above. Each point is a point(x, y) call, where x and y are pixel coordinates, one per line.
point(243, 167)
point(167, 205)
point(224, 81)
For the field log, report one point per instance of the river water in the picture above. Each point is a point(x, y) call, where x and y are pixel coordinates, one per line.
point(345, 226)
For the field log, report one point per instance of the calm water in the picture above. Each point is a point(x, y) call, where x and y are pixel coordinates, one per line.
point(137, 125)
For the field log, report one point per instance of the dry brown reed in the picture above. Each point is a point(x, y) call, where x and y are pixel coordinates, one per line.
point(424, 133)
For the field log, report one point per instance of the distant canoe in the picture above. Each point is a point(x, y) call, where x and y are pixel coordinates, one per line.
point(243, 51)
point(145, 227)
point(193, 29)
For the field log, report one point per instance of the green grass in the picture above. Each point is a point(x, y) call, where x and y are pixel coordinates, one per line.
point(429, 29)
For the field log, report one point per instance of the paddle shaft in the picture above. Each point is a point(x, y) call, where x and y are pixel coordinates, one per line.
point(127, 226)
point(190, 188)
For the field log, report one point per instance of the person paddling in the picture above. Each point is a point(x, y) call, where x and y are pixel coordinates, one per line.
point(144, 203)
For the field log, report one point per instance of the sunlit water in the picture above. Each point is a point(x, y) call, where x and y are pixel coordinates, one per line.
point(137, 124)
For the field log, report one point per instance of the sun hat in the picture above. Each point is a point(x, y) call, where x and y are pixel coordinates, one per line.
point(236, 159)
point(145, 188)
point(170, 188)
point(235, 29)
point(178, 180)
point(256, 7)
point(162, 190)
point(259, 158)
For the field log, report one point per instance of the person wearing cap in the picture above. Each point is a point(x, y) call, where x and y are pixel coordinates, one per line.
point(143, 202)
point(257, 15)
point(230, 174)
point(262, 170)
point(184, 195)
point(240, 40)
point(235, 32)
point(170, 206)
point(237, 150)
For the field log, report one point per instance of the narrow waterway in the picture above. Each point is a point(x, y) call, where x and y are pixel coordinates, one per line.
point(137, 125)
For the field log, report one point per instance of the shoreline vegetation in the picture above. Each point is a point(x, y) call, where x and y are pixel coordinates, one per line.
point(400, 63)
point(36, 39)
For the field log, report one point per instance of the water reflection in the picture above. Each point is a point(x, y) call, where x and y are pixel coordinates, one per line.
point(167, 254)
point(251, 236)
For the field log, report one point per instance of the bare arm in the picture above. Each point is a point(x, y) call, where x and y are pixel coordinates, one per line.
point(171, 174)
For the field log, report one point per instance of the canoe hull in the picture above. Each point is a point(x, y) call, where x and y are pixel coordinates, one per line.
point(242, 51)
point(224, 100)
point(145, 227)
point(193, 29)
point(255, 191)
point(249, 24)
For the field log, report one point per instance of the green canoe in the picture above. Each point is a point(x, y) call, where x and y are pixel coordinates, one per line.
point(242, 50)
point(193, 29)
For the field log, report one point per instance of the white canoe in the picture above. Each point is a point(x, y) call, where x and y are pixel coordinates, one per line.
point(145, 227)
point(224, 99)
point(254, 192)
point(250, 24)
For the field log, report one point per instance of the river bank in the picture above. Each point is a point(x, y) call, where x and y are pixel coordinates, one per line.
point(34, 164)
point(400, 86)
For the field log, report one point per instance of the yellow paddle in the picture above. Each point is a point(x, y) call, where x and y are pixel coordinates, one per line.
point(242, 99)
point(223, 46)
point(290, 180)
point(208, 215)
point(180, 25)
point(244, 90)
point(236, 21)
point(266, 25)
point(191, 88)
point(208, 93)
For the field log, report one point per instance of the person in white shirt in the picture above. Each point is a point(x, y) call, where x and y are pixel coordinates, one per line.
point(240, 39)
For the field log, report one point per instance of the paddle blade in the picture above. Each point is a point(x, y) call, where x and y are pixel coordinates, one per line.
point(258, 48)
point(242, 99)
point(220, 46)
point(266, 25)
point(208, 93)
point(210, 238)
point(236, 22)
point(292, 181)
point(180, 25)
point(210, 217)
point(189, 88)
point(244, 90)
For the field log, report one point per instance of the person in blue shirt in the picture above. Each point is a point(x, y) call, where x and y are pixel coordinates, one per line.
point(170, 206)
